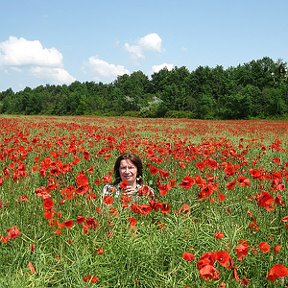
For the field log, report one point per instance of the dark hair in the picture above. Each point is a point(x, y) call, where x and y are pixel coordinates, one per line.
point(135, 160)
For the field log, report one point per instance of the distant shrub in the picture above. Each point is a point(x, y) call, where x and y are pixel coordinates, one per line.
point(111, 114)
point(131, 114)
point(179, 114)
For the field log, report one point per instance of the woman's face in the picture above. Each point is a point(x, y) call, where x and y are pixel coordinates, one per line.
point(128, 171)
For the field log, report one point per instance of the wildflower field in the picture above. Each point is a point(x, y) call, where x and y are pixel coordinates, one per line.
point(219, 218)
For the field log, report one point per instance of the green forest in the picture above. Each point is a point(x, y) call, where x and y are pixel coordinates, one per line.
point(257, 89)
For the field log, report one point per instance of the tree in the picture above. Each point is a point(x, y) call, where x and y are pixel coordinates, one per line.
point(134, 89)
point(8, 93)
point(236, 106)
point(275, 102)
point(206, 107)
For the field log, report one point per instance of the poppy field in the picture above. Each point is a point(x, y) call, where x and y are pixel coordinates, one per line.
point(219, 217)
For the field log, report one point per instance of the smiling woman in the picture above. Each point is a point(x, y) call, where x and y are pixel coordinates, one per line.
point(128, 178)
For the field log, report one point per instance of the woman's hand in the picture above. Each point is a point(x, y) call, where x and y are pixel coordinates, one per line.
point(129, 191)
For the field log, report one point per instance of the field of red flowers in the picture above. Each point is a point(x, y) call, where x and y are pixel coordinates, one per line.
point(219, 219)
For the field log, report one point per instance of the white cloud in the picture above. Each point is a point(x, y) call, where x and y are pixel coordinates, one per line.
point(157, 68)
point(102, 68)
point(150, 42)
point(134, 50)
point(57, 75)
point(21, 55)
point(19, 52)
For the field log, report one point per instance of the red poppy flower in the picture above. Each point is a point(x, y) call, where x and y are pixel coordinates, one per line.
point(100, 251)
point(264, 246)
point(188, 256)
point(68, 223)
point(206, 258)
point(83, 189)
point(224, 258)
point(242, 249)
point(132, 222)
point(55, 171)
point(243, 181)
point(82, 179)
point(153, 170)
point(86, 155)
point(209, 272)
point(123, 184)
point(163, 189)
point(221, 197)
point(48, 215)
point(91, 278)
point(125, 200)
point(164, 174)
point(276, 160)
point(145, 191)
point(244, 281)
point(107, 179)
point(155, 205)
point(172, 183)
point(58, 232)
point(205, 192)
point(85, 228)
point(185, 209)
point(98, 210)
point(32, 247)
point(280, 187)
point(80, 219)
point(68, 192)
point(48, 203)
point(31, 267)
point(108, 199)
point(114, 211)
point(285, 218)
point(219, 235)
point(13, 232)
point(229, 170)
point(165, 208)
point(200, 166)
point(212, 163)
point(277, 249)
point(97, 181)
point(265, 200)
point(235, 274)
point(277, 271)
point(140, 208)
point(91, 222)
point(231, 185)
point(23, 198)
point(4, 239)
point(254, 225)
point(255, 173)
point(200, 181)
point(187, 182)
point(42, 192)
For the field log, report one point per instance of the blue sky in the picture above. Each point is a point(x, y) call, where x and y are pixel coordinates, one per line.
point(60, 41)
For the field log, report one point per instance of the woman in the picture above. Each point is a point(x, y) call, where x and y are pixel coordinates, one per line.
point(128, 178)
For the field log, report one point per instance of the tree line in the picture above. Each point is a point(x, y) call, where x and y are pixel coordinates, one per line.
point(257, 89)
